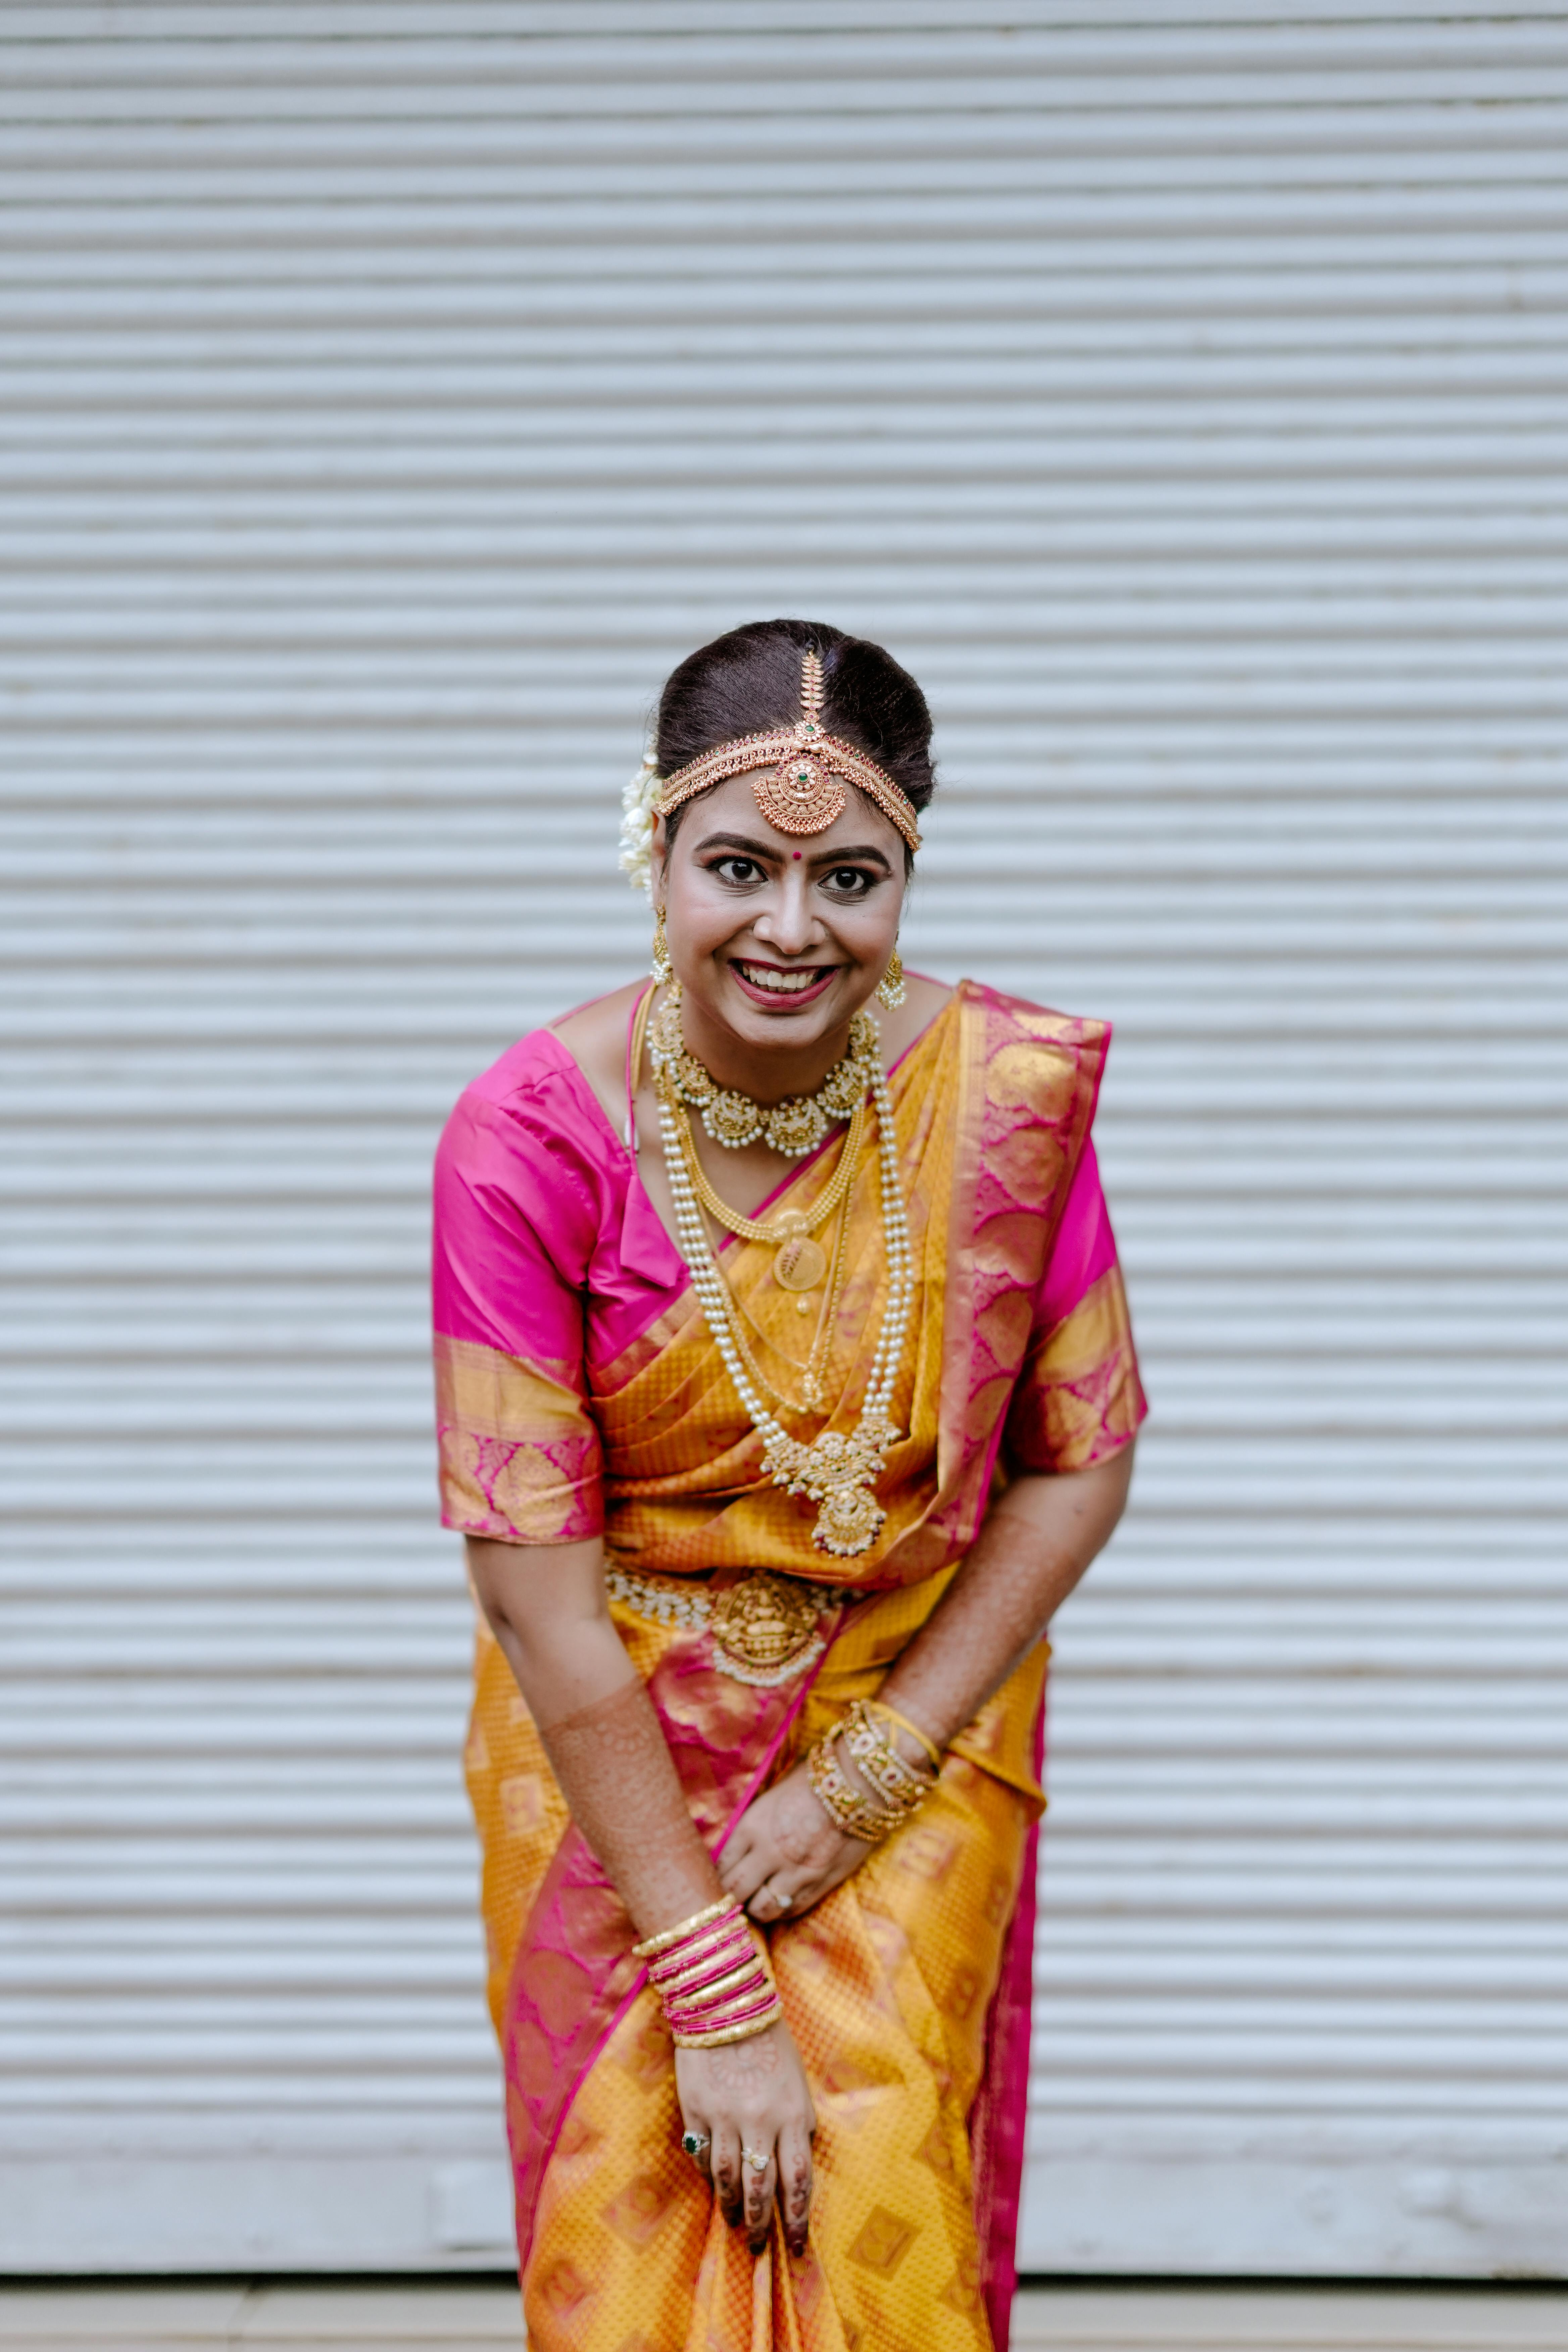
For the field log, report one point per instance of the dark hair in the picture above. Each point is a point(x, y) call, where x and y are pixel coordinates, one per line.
point(749, 679)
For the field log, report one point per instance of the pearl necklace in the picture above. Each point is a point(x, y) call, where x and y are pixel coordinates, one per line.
point(837, 1471)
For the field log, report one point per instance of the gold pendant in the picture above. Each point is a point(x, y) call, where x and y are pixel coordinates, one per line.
point(801, 1262)
point(765, 1628)
point(849, 1522)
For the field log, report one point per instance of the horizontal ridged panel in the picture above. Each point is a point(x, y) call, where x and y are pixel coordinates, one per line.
point(1182, 398)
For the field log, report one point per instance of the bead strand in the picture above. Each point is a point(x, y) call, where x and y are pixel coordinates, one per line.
point(836, 1471)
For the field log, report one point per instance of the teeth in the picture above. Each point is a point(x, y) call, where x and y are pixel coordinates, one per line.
point(781, 983)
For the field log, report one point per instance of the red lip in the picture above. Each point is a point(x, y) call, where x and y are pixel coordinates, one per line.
point(772, 997)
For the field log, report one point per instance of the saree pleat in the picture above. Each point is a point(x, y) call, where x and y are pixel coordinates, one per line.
point(907, 1987)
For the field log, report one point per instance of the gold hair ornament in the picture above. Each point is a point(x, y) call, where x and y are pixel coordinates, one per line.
point(804, 790)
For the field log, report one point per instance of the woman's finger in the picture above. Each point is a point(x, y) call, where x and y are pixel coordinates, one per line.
point(727, 2168)
point(742, 1871)
point(759, 2184)
point(697, 2142)
point(775, 1899)
point(793, 2161)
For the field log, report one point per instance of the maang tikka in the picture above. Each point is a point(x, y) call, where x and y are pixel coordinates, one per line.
point(807, 768)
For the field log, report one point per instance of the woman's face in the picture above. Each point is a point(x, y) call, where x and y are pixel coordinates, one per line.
point(775, 936)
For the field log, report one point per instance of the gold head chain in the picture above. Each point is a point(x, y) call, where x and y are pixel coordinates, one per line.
point(807, 769)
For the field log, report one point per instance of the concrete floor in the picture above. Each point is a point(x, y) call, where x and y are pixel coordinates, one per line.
point(477, 2318)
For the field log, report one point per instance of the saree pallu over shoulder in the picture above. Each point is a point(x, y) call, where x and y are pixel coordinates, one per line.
point(1026, 1088)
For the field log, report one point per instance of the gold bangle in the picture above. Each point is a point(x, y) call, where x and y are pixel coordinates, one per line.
point(740, 2009)
point(728, 1958)
point(701, 1948)
point(841, 1801)
point(715, 1995)
point(654, 1945)
point(880, 1706)
point(901, 1788)
point(728, 2032)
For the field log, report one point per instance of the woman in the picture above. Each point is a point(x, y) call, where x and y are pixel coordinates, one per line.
point(785, 1390)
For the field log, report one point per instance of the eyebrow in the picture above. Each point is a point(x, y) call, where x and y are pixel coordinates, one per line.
point(760, 850)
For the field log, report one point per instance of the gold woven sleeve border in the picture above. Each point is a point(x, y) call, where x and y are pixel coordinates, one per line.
point(1079, 1397)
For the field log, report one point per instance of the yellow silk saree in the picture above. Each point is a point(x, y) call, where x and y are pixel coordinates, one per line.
point(579, 1394)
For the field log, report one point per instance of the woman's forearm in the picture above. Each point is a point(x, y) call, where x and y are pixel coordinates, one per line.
point(545, 1605)
point(1030, 1553)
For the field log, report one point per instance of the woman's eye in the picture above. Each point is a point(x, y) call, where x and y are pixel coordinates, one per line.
point(850, 881)
point(739, 869)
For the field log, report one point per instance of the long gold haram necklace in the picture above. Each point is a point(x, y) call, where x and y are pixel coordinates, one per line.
point(799, 1260)
point(837, 1471)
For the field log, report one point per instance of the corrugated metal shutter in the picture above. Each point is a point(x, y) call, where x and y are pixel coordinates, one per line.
point(391, 393)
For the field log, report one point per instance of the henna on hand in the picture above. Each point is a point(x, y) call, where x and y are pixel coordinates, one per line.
point(799, 1821)
point(787, 1839)
point(618, 1775)
point(1035, 1545)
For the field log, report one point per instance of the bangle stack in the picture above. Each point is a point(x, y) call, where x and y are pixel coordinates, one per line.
point(711, 1973)
point(900, 1788)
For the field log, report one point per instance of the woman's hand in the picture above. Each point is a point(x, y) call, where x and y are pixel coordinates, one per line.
point(752, 2096)
point(784, 1853)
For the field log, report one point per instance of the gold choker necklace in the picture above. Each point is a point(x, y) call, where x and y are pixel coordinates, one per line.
point(793, 1127)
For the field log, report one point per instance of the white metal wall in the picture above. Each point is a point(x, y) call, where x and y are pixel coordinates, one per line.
point(391, 391)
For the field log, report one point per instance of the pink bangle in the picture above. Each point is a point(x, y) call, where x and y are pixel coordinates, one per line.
point(717, 2023)
point(757, 1981)
point(669, 1938)
point(731, 2029)
point(696, 1952)
point(742, 1939)
point(723, 1965)
point(750, 1987)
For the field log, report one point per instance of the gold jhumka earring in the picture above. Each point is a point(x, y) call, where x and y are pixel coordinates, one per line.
point(890, 989)
point(663, 970)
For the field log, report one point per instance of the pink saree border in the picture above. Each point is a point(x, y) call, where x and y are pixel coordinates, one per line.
point(982, 1347)
point(998, 2122)
point(574, 1959)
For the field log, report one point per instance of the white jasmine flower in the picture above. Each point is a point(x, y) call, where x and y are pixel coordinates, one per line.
point(637, 824)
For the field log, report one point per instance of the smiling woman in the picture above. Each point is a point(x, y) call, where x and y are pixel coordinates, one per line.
point(786, 1388)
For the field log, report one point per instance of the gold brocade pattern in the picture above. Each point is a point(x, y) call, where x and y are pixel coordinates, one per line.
point(886, 1985)
point(685, 1482)
point(1079, 1397)
point(519, 1454)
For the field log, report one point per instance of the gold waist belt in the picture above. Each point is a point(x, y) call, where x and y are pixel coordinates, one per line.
point(765, 1628)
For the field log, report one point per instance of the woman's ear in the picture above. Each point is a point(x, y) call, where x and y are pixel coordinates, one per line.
point(658, 859)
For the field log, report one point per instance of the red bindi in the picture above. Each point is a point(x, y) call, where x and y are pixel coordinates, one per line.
point(795, 855)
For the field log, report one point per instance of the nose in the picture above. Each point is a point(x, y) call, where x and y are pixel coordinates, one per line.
point(787, 923)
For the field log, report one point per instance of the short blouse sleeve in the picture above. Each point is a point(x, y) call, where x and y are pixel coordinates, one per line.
point(515, 1221)
point(1079, 1396)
